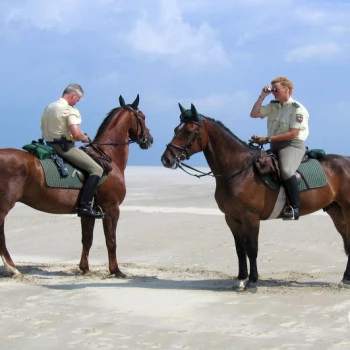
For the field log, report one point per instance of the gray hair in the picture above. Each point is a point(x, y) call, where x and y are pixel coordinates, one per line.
point(73, 88)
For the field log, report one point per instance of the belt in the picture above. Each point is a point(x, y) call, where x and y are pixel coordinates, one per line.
point(58, 142)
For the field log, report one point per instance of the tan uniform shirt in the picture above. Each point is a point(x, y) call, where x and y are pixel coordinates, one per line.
point(289, 115)
point(56, 119)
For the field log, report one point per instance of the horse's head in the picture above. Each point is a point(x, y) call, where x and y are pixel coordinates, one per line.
point(138, 130)
point(187, 138)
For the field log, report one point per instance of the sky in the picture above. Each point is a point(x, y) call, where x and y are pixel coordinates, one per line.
point(217, 55)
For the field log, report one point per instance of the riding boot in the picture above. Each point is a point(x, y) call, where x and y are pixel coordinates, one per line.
point(293, 195)
point(87, 195)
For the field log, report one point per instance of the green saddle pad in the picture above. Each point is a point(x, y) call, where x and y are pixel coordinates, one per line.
point(55, 179)
point(311, 171)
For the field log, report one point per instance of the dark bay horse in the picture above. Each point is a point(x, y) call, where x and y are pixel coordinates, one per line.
point(241, 194)
point(23, 180)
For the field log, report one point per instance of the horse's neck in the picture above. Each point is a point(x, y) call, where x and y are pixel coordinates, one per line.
point(115, 143)
point(224, 151)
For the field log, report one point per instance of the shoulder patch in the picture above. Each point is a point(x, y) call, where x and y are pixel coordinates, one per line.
point(275, 101)
point(296, 105)
point(299, 118)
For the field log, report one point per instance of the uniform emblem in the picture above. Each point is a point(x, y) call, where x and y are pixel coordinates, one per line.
point(299, 118)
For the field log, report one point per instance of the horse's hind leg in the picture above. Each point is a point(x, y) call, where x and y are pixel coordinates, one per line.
point(9, 265)
point(341, 220)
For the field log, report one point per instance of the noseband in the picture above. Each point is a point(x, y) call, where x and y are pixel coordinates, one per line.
point(184, 150)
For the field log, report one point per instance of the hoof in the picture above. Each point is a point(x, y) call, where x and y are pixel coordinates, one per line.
point(11, 271)
point(251, 287)
point(87, 273)
point(239, 285)
point(120, 274)
point(344, 284)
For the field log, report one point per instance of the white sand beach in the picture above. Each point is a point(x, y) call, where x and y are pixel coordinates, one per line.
point(180, 259)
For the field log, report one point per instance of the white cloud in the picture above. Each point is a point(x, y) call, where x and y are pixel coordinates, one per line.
point(60, 16)
point(313, 51)
point(172, 36)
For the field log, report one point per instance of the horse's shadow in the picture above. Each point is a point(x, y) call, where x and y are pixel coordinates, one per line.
point(104, 279)
point(214, 285)
point(41, 271)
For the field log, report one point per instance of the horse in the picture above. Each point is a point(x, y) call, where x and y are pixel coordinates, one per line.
point(241, 194)
point(23, 180)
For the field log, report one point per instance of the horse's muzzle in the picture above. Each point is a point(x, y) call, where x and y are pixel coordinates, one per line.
point(145, 142)
point(169, 163)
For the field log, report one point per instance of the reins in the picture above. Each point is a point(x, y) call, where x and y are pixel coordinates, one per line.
point(210, 173)
point(184, 155)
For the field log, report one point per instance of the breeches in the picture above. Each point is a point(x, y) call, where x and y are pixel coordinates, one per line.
point(290, 156)
point(80, 159)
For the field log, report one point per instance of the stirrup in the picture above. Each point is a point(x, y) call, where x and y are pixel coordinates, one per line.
point(90, 212)
point(291, 213)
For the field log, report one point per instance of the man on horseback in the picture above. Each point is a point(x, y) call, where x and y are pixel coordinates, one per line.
point(287, 124)
point(60, 129)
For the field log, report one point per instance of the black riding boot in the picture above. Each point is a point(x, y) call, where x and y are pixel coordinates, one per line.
point(87, 195)
point(293, 195)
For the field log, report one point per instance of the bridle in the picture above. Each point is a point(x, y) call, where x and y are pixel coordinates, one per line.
point(185, 150)
point(142, 140)
point(185, 155)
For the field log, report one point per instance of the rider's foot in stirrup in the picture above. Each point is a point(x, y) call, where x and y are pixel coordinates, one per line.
point(291, 214)
point(90, 212)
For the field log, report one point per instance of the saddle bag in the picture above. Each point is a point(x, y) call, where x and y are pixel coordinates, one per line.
point(39, 149)
point(267, 163)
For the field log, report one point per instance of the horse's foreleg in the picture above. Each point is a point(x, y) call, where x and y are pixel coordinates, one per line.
point(247, 245)
point(252, 252)
point(9, 265)
point(236, 229)
point(110, 222)
point(242, 257)
point(87, 234)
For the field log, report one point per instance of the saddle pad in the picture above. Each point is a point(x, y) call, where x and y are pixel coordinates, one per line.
point(54, 179)
point(311, 170)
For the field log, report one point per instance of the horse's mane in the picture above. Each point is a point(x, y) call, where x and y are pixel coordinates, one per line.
point(221, 125)
point(107, 121)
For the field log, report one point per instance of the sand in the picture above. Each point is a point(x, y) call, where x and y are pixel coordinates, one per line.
point(180, 260)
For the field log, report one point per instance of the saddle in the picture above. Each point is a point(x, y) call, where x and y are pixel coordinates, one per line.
point(309, 174)
point(59, 172)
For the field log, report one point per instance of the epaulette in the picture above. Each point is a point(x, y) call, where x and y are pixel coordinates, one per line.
point(296, 105)
point(275, 101)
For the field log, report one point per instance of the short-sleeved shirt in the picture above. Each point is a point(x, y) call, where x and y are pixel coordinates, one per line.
point(56, 119)
point(289, 115)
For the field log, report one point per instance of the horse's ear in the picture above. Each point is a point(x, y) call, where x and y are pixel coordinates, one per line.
point(121, 101)
point(193, 110)
point(135, 104)
point(181, 108)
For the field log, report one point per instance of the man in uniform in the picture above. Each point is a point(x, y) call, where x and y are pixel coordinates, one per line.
point(60, 129)
point(287, 125)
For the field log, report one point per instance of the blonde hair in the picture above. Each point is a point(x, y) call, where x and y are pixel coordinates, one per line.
point(284, 81)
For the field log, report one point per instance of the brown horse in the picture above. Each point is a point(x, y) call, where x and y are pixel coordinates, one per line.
point(23, 180)
point(241, 194)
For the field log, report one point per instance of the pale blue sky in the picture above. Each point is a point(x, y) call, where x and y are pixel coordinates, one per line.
point(214, 54)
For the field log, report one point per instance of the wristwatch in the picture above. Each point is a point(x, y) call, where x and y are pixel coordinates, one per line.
point(269, 139)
